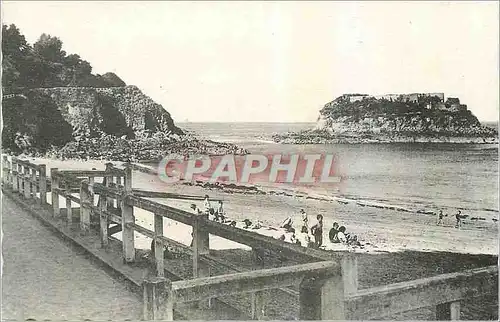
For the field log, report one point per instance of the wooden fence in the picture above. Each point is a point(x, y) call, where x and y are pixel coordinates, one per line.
point(327, 287)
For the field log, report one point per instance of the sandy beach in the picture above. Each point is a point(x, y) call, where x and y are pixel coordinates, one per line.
point(380, 230)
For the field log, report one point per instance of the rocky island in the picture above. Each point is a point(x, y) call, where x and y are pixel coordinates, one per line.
point(54, 106)
point(417, 117)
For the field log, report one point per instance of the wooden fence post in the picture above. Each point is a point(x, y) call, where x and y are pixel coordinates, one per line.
point(109, 179)
point(160, 264)
point(258, 306)
point(27, 183)
point(322, 299)
point(201, 246)
point(90, 190)
point(84, 206)
point(118, 184)
point(257, 299)
point(350, 272)
point(54, 186)
point(20, 175)
point(34, 184)
point(69, 210)
point(158, 299)
point(127, 217)
point(5, 168)
point(15, 175)
point(448, 311)
point(103, 219)
point(43, 184)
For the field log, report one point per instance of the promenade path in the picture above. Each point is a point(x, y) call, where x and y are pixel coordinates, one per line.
point(46, 278)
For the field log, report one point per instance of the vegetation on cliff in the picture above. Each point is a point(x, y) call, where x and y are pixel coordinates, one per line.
point(45, 64)
point(53, 104)
point(369, 119)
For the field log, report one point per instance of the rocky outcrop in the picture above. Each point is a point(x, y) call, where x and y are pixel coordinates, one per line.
point(114, 110)
point(371, 120)
point(114, 123)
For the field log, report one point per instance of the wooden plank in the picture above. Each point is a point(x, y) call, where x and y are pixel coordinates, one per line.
point(167, 195)
point(128, 232)
point(28, 164)
point(237, 283)
point(27, 182)
point(114, 229)
point(141, 230)
point(43, 184)
point(108, 191)
point(69, 211)
point(455, 311)
point(55, 196)
point(386, 300)
point(104, 232)
point(162, 210)
point(114, 218)
point(158, 226)
point(85, 207)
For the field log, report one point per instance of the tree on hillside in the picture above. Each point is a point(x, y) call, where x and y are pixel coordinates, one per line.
point(14, 49)
point(46, 64)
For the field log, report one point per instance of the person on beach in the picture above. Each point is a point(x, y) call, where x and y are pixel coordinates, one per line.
point(206, 204)
point(341, 235)
point(287, 224)
point(332, 235)
point(247, 223)
point(304, 239)
point(458, 217)
point(220, 215)
point(305, 220)
point(440, 218)
point(317, 231)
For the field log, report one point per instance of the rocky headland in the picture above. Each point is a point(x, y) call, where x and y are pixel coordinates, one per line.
point(54, 106)
point(394, 118)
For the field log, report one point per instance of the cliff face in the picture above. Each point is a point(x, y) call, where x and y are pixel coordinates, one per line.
point(371, 119)
point(36, 119)
point(114, 110)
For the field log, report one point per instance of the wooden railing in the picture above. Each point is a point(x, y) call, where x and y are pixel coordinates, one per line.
point(327, 287)
point(26, 178)
point(442, 291)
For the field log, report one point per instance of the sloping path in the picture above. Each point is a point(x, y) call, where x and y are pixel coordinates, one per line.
point(44, 277)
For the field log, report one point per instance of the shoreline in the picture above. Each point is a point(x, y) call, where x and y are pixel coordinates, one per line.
point(255, 189)
point(328, 138)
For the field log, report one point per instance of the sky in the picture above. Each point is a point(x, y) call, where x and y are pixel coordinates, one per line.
point(278, 61)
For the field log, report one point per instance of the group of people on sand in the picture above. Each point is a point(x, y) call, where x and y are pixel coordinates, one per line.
point(458, 218)
point(312, 235)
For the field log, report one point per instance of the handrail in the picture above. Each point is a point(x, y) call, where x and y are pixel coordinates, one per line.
point(395, 298)
point(252, 281)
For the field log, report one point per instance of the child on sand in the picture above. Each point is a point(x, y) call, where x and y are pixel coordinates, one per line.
point(304, 238)
point(458, 216)
point(206, 204)
point(305, 220)
point(332, 235)
point(220, 215)
point(341, 235)
point(287, 223)
point(317, 231)
point(440, 218)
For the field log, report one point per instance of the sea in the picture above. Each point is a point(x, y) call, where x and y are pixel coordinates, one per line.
point(420, 177)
